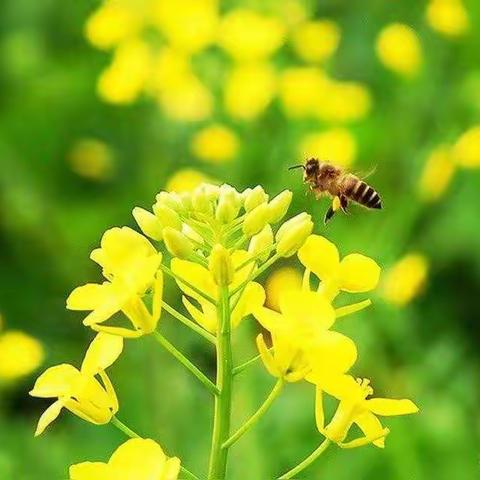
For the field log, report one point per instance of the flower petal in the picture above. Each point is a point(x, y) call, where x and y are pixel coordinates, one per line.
point(48, 416)
point(101, 353)
point(267, 358)
point(119, 331)
point(90, 296)
point(372, 428)
point(172, 469)
point(268, 319)
point(253, 297)
point(207, 320)
point(91, 471)
point(139, 459)
point(196, 275)
point(319, 413)
point(55, 381)
point(390, 407)
point(358, 273)
point(352, 308)
point(320, 256)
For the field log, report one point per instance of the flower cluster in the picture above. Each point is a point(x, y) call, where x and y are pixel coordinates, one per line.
point(214, 244)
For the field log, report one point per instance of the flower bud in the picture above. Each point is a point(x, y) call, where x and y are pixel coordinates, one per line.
point(167, 216)
point(254, 198)
point(260, 242)
point(171, 200)
point(149, 224)
point(221, 266)
point(177, 243)
point(228, 206)
point(278, 206)
point(201, 202)
point(293, 233)
point(255, 220)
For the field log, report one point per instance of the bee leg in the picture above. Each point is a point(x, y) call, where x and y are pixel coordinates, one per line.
point(328, 215)
point(344, 204)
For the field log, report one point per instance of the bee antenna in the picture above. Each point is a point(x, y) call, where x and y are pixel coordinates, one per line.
point(296, 166)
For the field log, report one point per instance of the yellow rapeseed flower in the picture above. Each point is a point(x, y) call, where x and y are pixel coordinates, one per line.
point(130, 264)
point(188, 25)
point(466, 151)
point(399, 49)
point(355, 408)
point(125, 78)
point(250, 36)
point(215, 144)
point(79, 390)
point(282, 280)
point(449, 17)
point(437, 174)
point(92, 159)
point(406, 279)
point(316, 41)
point(136, 459)
point(113, 23)
point(249, 90)
point(20, 355)
point(337, 144)
point(186, 180)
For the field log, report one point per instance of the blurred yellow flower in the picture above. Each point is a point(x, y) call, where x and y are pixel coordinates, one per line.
point(300, 89)
point(291, 12)
point(130, 264)
point(125, 78)
point(355, 408)
point(399, 49)
point(355, 273)
point(249, 89)
point(250, 36)
point(113, 23)
point(281, 280)
point(316, 41)
point(92, 159)
point(188, 25)
point(79, 390)
point(406, 279)
point(437, 174)
point(448, 17)
point(136, 459)
point(253, 295)
point(215, 144)
point(20, 355)
point(466, 151)
point(186, 180)
point(337, 145)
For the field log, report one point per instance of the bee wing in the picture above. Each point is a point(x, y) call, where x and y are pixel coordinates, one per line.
point(365, 175)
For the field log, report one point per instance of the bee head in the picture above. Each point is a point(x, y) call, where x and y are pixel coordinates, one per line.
point(311, 169)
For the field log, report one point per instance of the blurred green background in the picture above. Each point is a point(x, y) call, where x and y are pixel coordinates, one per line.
point(74, 162)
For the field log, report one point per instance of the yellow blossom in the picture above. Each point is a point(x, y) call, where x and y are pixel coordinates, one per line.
point(185, 180)
point(252, 297)
point(406, 279)
point(92, 159)
point(437, 174)
point(79, 390)
point(249, 90)
point(355, 273)
point(20, 355)
point(125, 78)
point(130, 264)
point(398, 48)
point(355, 408)
point(249, 36)
point(448, 17)
point(282, 280)
point(136, 459)
point(215, 144)
point(338, 145)
point(188, 25)
point(113, 23)
point(316, 41)
point(466, 151)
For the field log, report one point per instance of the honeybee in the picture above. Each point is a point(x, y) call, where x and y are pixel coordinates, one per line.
point(323, 178)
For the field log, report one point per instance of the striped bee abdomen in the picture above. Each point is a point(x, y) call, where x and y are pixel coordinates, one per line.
point(362, 193)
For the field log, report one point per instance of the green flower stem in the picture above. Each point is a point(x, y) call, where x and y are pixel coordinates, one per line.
point(192, 287)
point(240, 368)
point(256, 257)
point(257, 415)
point(307, 462)
point(185, 362)
point(186, 321)
point(130, 433)
point(223, 401)
point(121, 426)
point(239, 242)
